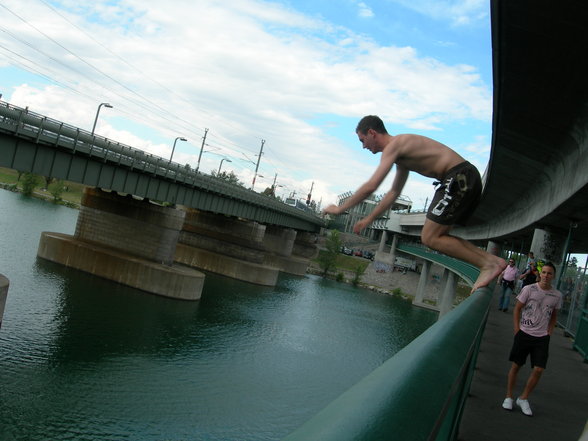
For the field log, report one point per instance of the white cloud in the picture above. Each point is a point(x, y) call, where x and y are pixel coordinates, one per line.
point(456, 12)
point(246, 69)
point(364, 10)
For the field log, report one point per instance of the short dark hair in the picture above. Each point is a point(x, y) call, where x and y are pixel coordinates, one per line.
point(371, 122)
point(550, 265)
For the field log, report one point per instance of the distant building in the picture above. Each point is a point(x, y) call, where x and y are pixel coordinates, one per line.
point(348, 219)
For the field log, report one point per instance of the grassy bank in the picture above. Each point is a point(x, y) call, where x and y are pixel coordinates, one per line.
point(71, 196)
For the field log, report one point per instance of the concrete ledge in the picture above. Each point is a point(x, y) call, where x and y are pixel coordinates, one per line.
point(226, 266)
point(4, 283)
point(168, 281)
point(426, 306)
point(291, 265)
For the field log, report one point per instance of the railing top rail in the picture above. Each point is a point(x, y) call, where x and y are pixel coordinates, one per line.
point(408, 397)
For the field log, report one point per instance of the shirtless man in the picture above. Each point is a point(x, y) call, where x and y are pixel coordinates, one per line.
point(454, 200)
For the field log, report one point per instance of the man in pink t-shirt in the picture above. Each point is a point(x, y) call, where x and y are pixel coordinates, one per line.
point(507, 280)
point(534, 317)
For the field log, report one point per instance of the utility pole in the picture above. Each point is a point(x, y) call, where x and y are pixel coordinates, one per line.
point(257, 165)
point(201, 149)
point(309, 194)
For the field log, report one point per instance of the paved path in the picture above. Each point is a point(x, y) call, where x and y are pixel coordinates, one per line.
point(559, 403)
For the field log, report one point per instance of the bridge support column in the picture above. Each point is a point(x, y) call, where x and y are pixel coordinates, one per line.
point(423, 280)
point(383, 240)
point(279, 245)
point(447, 293)
point(128, 241)
point(305, 245)
point(548, 246)
point(393, 248)
point(494, 248)
point(4, 283)
point(225, 245)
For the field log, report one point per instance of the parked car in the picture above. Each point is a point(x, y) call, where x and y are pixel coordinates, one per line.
point(368, 255)
point(347, 251)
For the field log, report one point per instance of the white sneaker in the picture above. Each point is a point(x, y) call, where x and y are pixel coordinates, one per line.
point(507, 403)
point(524, 405)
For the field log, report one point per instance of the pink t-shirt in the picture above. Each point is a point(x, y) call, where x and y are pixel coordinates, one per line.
point(539, 305)
point(510, 273)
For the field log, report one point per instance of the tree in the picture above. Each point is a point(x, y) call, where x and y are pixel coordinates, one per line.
point(328, 257)
point(230, 177)
point(269, 191)
point(56, 189)
point(29, 182)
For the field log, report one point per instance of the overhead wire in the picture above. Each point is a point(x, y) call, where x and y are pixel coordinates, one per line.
point(136, 98)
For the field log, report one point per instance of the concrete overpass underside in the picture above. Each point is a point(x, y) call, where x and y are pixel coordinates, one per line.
point(538, 171)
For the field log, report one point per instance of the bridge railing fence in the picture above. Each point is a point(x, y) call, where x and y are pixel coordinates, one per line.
point(418, 394)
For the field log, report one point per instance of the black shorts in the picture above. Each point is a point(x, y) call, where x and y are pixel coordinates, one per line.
point(525, 344)
point(457, 196)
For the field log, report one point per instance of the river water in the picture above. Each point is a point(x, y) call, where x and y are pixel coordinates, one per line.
point(82, 358)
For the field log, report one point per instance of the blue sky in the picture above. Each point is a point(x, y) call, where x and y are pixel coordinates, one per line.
point(297, 74)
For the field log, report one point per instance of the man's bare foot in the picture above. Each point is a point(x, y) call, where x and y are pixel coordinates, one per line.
point(489, 272)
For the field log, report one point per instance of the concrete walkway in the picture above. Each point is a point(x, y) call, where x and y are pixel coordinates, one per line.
point(559, 403)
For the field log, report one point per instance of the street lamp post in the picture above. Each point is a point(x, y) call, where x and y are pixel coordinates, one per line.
point(97, 113)
point(221, 163)
point(174, 147)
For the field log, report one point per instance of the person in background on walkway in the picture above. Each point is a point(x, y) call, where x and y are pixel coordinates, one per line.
point(506, 280)
point(534, 318)
point(530, 259)
point(456, 196)
point(529, 276)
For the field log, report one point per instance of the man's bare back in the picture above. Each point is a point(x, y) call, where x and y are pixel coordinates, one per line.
point(422, 155)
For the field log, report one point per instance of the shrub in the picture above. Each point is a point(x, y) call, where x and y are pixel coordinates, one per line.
point(359, 270)
point(29, 182)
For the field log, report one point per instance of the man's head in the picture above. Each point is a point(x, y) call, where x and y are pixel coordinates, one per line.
point(371, 133)
point(531, 255)
point(371, 122)
point(547, 274)
point(511, 262)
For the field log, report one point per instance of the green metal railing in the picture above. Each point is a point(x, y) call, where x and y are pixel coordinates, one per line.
point(581, 340)
point(418, 394)
point(465, 270)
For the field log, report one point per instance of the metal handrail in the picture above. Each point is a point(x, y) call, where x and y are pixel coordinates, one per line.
point(418, 394)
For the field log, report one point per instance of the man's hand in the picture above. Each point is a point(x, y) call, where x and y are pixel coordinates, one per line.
point(332, 209)
point(360, 225)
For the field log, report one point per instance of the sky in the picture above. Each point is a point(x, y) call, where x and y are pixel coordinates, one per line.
point(294, 76)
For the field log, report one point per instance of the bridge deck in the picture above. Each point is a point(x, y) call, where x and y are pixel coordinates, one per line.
point(559, 403)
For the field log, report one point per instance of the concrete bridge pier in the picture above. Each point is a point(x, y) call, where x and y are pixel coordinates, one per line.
point(225, 245)
point(305, 245)
point(445, 302)
point(279, 245)
point(548, 246)
point(384, 257)
point(423, 280)
point(128, 241)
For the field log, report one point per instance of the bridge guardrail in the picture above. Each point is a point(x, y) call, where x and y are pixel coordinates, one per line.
point(418, 394)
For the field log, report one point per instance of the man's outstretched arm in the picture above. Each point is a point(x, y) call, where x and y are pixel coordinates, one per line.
point(387, 201)
point(370, 186)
